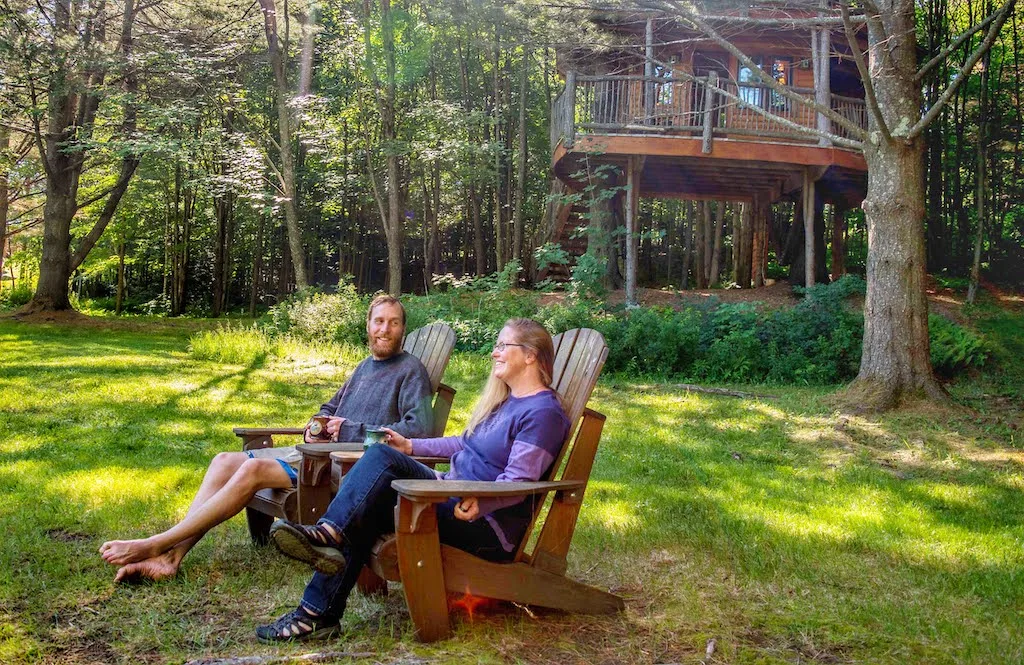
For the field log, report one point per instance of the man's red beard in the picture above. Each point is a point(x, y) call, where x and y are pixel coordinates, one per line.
point(385, 349)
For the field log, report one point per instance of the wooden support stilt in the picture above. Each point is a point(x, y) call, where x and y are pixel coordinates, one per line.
point(760, 238)
point(808, 203)
point(632, 208)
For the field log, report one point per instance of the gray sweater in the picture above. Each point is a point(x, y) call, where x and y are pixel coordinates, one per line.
point(392, 393)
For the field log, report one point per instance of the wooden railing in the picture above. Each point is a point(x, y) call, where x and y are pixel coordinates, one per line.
point(657, 105)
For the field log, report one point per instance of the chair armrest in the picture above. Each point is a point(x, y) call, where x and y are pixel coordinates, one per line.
point(250, 431)
point(263, 437)
point(437, 491)
point(353, 456)
point(325, 449)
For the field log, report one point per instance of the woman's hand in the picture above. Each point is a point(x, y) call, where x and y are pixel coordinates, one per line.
point(468, 509)
point(398, 442)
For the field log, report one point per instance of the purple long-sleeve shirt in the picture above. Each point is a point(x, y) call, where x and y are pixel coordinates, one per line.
point(516, 443)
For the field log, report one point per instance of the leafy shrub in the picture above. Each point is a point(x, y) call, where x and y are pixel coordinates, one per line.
point(16, 297)
point(246, 346)
point(475, 308)
point(954, 348)
point(314, 316)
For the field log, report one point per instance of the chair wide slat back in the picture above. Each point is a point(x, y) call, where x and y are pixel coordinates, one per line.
point(579, 357)
point(580, 354)
point(433, 345)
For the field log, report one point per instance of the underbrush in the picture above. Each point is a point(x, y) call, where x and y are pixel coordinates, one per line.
point(816, 342)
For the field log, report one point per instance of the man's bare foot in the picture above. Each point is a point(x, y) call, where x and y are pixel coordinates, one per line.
point(156, 568)
point(121, 552)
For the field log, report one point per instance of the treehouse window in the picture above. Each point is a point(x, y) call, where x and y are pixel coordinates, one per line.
point(664, 90)
point(750, 93)
point(780, 72)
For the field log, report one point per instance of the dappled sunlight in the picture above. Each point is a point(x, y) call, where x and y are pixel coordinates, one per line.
point(616, 516)
point(116, 485)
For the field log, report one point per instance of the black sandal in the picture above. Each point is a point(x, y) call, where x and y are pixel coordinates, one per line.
point(310, 544)
point(298, 626)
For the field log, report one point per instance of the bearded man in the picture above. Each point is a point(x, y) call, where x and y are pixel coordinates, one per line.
point(389, 389)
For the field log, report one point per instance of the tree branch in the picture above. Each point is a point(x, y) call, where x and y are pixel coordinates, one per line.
point(954, 45)
point(813, 131)
point(865, 75)
point(986, 44)
point(128, 166)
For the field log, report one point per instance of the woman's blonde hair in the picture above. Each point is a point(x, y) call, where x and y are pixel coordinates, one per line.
point(534, 339)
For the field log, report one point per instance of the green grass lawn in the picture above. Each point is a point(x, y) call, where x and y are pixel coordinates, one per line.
point(786, 531)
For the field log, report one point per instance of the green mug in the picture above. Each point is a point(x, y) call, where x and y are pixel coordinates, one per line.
point(373, 436)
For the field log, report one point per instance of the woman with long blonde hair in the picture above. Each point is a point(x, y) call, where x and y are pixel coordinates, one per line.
point(514, 435)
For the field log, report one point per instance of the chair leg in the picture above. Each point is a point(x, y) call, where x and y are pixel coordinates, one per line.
point(419, 561)
point(372, 584)
point(259, 526)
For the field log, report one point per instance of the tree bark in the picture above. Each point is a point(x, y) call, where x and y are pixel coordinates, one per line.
point(290, 201)
point(517, 223)
point(632, 205)
point(5, 145)
point(895, 363)
point(838, 243)
point(688, 217)
point(981, 173)
point(716, 250)
point(120, 277)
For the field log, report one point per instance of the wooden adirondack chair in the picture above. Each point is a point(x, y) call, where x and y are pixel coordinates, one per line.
point(305, 503)
point(430, 570)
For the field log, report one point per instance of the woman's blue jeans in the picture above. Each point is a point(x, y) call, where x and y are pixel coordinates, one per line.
point(363, 510)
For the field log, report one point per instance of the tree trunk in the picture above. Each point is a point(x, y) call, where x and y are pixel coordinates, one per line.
point(716, 250)
point(517, 223)
point(746, 245)
point(981, 174)
point(701, 224)
point(120, 277)
point(631, 210)
point(838, 243)
point(284, 130)
point(895, 363)
point(688, 219)
point(5, 144)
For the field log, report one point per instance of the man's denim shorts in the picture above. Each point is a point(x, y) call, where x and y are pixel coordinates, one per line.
point(287, 456)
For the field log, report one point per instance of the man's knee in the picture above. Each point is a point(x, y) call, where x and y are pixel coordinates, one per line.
point(259, 473)
point(227, 462)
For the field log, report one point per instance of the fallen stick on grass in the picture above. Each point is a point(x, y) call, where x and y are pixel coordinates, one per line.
point(721, 391)
point(324, 657)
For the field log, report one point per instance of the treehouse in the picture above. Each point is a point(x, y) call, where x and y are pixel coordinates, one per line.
point(682, 116)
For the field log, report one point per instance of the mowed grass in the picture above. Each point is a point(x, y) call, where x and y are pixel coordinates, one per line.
point(783, 529)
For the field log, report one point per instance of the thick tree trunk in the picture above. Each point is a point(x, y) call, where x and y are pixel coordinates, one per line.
point(895, 364)
point(895, 359)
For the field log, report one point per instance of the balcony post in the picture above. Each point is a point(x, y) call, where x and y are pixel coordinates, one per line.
point(632, 209)
point(649, 73)
point(710, 84)
point(808, 202)
point(821, 44)
point(570, 109)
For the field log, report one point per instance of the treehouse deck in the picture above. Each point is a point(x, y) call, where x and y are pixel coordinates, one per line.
point(697, 146)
